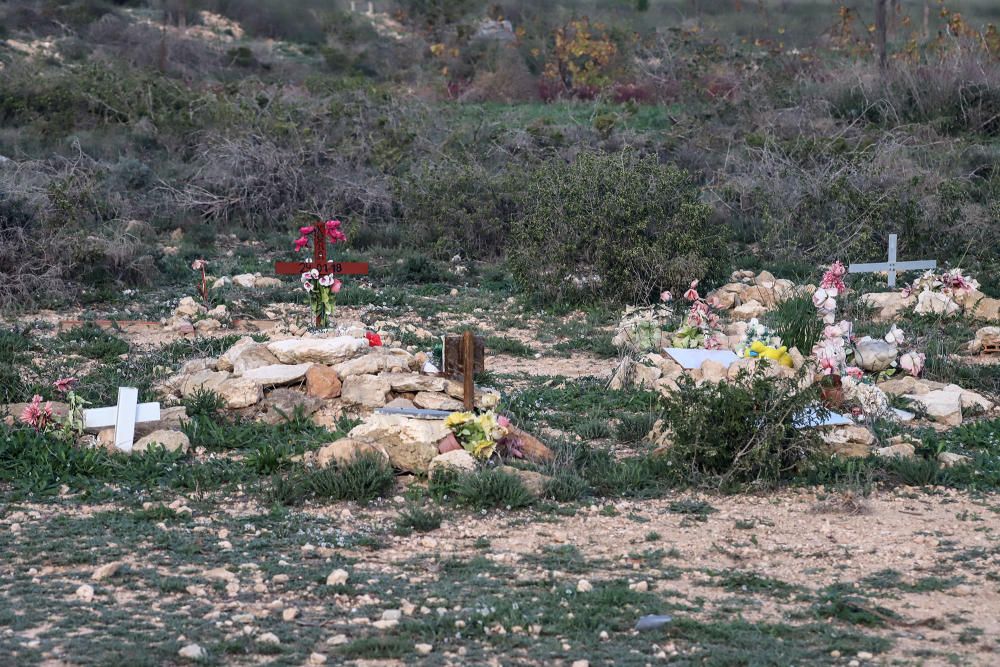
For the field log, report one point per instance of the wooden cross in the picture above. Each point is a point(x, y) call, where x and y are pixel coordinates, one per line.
point(123, 416)
point(892, 266)
point(320, 262)
point(465, 356)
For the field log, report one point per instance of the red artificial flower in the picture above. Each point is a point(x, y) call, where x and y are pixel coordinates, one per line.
point(64, 384)
point(301, 243)
point(374, 340)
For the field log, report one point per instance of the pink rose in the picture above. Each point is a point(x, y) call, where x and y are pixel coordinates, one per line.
point(301, 243)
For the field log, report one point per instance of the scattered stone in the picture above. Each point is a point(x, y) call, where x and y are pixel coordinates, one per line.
point(888, 304)
point(749, 310)
point(423, 649)
point(172, 441)
point(85, 592)
point(317, 659)
point(935, 303)
point(950, 459)
point(244, 355)
point(192, 652)
point(268, 638)
point(337, 578)
point(105, 571)
point(900, 450)
point(207, 325)
point(188, 308)
point(457, 459)
point(534, 482)
point(392, 615)
point(322, 382)
point(345, 450)
point(581, 663)
point(986, 336)
point(337, 640)
point(584, 586)
point(944, 407)
point(318, 350)
point(411, 443)
point(289, 614)
point(369, 391)
point(848, 441)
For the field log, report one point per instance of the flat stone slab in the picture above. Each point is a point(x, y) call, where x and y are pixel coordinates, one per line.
point(278, 374)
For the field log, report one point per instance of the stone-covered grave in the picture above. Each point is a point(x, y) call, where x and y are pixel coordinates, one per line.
point(326, 376)
point(645, 342)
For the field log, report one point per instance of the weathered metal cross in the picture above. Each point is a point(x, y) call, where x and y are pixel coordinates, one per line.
point(892, 266)
point(123, 416)
point(320, 262)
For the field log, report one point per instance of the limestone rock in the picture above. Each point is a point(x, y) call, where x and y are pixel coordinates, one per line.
point(848, 441)
point(533, 449)
point(949, 459)
point(900, 450)
point(322, 382)
point(193, 652)
point(749, 310)
point(206, 325)
point(282, 404)
point(240, 392)
point(400, 402)
point(245, 280)
point(188, 308)
point(970, 400)
point(458, 460)
point(206, 380)
point(369, 391)
point(874, 355)
point(942, 406)
point(345, 450)
point(192, 366)
point(534, 482)
point(318, 350)
point(172, 441)
point(630, 373)
point(170, 420)
point(987, 309)
point(378, 360)
point(713, 371)
point(405, 382)
point(935, 303)
point(411, 443)
point(437, 401)
point(245, 355)
point(985, 336)
point(484, 398)
point(887, 304)
point(278, 374)
point(264, 282)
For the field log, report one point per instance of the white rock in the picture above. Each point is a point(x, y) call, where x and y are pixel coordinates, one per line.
point(949, 459)
point(278, 374)
point(85, 592)
point(584, 586)
point(172, 441)
point(337, 578)
point(105, 571)
point(415, 382)
point(318, 350)
point(268, 638)
point(245, 280)
point(392, 615)
point(888, 304)
point(457, 459)
point(380, 360)
point(423, 649)
point(240, 392)
point(944, 407)
point(437, 401)
point(188, 308)
point(370, 391)
point(205, 380)
point(935, 303)
point(900, 450)
point(192, 652)
point(411, 443)
point(317, 659)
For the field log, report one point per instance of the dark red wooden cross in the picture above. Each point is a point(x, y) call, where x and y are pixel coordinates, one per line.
point(320, 262)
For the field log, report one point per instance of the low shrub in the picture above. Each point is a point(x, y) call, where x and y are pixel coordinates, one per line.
point(739, 434)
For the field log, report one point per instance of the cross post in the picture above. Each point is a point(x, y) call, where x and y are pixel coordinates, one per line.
point(320, 262)
point(124, 416)
point(892, 266)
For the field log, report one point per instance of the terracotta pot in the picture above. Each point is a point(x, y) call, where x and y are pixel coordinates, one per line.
point(831, 391)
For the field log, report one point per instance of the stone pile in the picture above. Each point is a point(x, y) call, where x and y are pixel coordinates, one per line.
point(190, 317)
point(748, 296)
point(889, 305)
point(313, 372)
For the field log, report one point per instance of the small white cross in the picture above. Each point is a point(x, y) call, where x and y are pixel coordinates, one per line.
point(892, 265)
point(123, 416)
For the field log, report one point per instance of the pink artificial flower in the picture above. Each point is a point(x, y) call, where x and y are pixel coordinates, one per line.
point(713, 320)
point(712, 344)
point(828, 365)
point(327, 280)
point(332, 224)
point(307, 285)
point(855, 372)
point(692, 293)
point(695, 319)
point(913, 362)
point(301, 243)
point(699, 307)
point(314, 274)
point(306, 231)
point(199, 264)
point(64, 384)
point(834, 277)
point(665, 296)
point(335, 287)
point(503, 422)
point(36, 415)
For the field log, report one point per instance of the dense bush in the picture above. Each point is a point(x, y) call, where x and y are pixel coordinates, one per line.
point(613, 226)
point(741, 433)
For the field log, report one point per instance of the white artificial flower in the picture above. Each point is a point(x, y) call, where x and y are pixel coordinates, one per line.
point(895, 336)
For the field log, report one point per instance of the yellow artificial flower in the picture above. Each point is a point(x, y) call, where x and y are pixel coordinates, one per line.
point(483, 449)
point(457, 419)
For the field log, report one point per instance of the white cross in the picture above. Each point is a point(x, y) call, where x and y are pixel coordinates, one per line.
point(123, 416)
point(892, 265)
